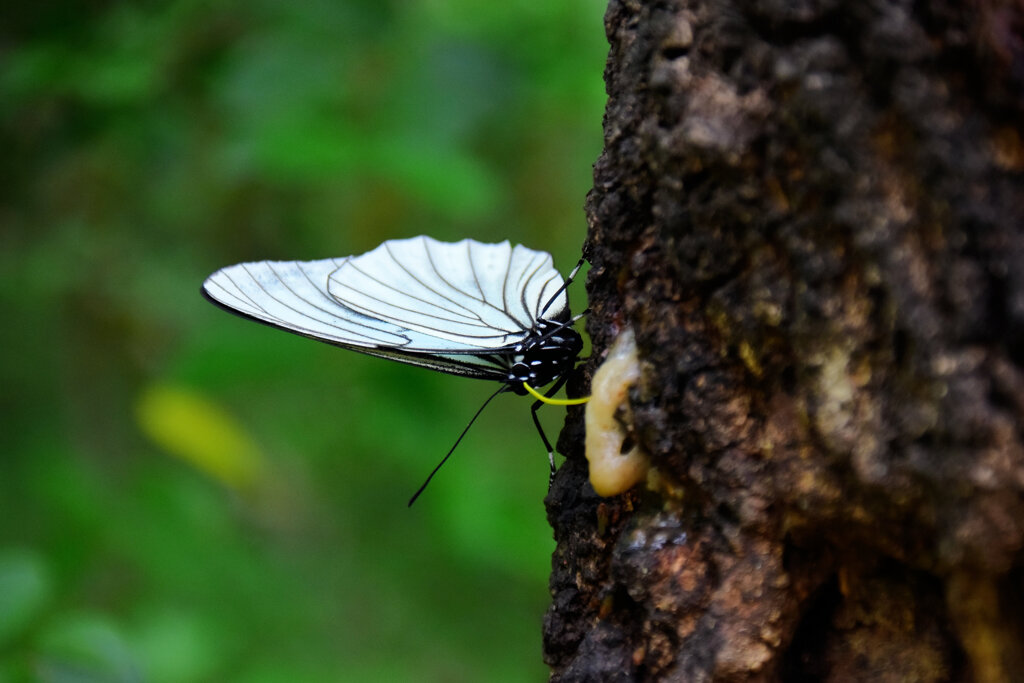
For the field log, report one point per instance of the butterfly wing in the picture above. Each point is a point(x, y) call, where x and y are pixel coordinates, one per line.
point(451, 307)
point(484, 296)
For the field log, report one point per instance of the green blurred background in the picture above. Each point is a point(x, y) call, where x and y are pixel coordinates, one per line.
point(188, 496)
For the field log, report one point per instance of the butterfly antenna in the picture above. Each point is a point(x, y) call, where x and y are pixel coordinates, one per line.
point(565, 285)
point(565, 323)
point(455, 445)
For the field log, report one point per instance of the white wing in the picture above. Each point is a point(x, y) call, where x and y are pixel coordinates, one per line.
point(417, 300)
point(485, 296)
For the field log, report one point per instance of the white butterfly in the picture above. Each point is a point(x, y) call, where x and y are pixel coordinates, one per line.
point(489, 311)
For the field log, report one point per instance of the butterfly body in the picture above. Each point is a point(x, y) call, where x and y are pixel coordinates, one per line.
point(547, 354)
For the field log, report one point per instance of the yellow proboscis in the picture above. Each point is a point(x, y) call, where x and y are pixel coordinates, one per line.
point(555, 401)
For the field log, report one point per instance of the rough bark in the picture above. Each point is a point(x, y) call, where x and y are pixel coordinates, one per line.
point(810, 213)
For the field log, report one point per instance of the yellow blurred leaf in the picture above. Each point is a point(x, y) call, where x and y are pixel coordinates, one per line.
point(192, 427)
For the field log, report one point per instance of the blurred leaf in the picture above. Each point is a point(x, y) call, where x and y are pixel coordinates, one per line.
point(26, 588)
point(84, 648)
point(178, 646)
point(195, 429)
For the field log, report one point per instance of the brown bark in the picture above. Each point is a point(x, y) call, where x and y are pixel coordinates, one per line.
point(810, 213)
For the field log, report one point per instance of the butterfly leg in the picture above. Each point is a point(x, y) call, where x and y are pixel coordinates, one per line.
point(540, 430)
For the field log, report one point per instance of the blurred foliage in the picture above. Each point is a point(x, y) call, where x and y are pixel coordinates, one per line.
point(190, 497)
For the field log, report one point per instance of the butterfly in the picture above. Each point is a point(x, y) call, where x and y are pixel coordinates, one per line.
point(485, 311)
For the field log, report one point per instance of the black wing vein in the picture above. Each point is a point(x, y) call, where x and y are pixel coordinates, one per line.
point(409, 324)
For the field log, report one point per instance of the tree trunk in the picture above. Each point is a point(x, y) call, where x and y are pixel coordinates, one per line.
point(810, 214)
